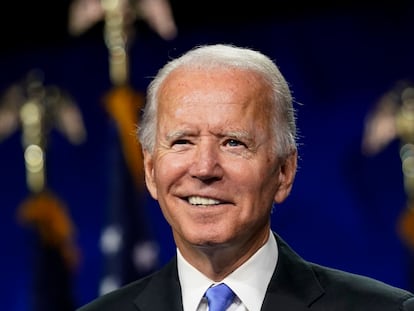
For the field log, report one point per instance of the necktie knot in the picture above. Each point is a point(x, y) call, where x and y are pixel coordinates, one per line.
point(219, 297)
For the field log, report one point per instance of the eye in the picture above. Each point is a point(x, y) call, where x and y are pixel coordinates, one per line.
point(234, 143)
point(180, 142)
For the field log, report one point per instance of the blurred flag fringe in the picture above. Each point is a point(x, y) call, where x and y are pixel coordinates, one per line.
point(57, 254)
point(406, 225)
point(123, 104)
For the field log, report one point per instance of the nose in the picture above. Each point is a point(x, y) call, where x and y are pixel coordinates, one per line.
point(206, 164)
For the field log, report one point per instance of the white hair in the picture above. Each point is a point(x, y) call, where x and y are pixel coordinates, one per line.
point(282, 115)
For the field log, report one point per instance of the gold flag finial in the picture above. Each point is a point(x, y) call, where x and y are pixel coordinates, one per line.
point(116, 38)
point(36, 109)
point(393, 118)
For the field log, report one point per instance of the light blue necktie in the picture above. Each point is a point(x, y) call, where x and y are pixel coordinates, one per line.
point(219, 297)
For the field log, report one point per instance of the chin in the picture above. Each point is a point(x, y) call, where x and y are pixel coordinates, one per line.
point(210, 240)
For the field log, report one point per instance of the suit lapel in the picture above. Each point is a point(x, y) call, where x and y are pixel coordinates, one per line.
point(163, 291)
point(293, 286)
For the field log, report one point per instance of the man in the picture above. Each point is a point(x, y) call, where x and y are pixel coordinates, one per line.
point(218, 137)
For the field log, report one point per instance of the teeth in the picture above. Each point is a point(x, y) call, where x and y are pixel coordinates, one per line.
point(202, 201)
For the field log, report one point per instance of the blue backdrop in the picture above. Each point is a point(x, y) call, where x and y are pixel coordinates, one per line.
point(344, 206)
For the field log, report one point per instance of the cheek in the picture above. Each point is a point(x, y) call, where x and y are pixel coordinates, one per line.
point(260, 182)
point(168, 169)
point(255, 174)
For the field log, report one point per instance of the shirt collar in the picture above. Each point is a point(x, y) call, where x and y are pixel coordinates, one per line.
point(193, 283)
point(249, 281)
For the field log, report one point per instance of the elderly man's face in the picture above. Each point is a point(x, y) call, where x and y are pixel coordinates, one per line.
point(213, 170)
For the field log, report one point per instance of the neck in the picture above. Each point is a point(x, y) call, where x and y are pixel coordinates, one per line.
point(218, 261)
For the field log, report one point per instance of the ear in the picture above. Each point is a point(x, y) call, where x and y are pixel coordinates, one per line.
point(149, 174)
point(286, 177)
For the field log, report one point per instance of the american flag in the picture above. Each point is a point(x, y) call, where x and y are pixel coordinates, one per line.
point(127, 241)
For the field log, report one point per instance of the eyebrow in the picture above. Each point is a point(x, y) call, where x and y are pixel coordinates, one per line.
point(243, 135)
point(178, 134)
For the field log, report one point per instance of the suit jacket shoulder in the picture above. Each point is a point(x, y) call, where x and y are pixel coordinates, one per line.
point(158, 291)
point(301, 285)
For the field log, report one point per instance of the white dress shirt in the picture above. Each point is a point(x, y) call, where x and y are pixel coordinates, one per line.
point(249, 282)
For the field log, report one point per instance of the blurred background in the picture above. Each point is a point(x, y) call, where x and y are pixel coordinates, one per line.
point(75, 219)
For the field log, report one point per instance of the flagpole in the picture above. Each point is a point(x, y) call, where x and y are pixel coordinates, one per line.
point(40, 108)
point(393, 118)
point(135, 253)
point(405, 130)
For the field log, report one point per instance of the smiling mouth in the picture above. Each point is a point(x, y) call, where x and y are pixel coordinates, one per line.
point(195, 200)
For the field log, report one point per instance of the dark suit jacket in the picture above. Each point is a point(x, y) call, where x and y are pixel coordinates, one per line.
point(296, 285)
